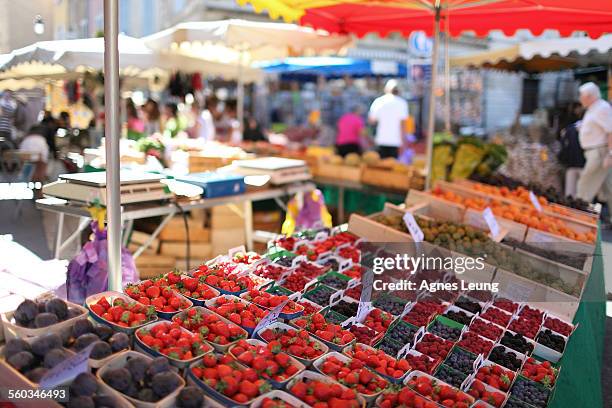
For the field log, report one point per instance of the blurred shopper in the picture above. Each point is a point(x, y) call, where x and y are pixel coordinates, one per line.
point(389, 113)
point(64, 122)
point(35, 144)
point(571, 155)
point(50, 125)
point(595, 135)
point(8, 111)
point(151, 114)
point(202, 124)
point(173, 122)
point(135, 125)
point(252, 130)
point(351, 130)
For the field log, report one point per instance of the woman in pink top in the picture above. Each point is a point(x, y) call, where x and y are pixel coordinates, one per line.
point(351, 128)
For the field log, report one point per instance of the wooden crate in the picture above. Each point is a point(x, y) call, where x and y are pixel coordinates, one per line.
point(224, 239)
point(150, 266)
point(139, 238)
point(384, 177)
point(199, 163)
point(428, 205)
point(178, 249)
point(558, 242)
point(174, 230)
point(521, 289)
point(511, 228)
point(226, 217)
point(339, 171)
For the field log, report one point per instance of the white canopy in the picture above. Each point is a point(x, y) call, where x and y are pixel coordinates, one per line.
point(545, 54)
point(52, 58)
point(224, 40)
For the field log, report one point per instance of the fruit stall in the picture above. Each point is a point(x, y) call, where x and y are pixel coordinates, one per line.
point(291, 326)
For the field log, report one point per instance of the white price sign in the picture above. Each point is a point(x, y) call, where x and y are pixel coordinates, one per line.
point(67, 369)
point(489, 218)
point(413, 227)
point(535, 201)
point(271, 317)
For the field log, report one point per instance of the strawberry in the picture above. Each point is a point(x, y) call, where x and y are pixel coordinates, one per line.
point(152, 292)
point(322, 394)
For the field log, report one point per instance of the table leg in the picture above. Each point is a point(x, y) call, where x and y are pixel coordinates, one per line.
point(248, 224)
point(83, 223)
point(340, 205)
point(127, 231)
point(58, 237)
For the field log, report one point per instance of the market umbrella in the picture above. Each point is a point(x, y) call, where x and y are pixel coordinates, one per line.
point(242, 42)
point(362, 17)
point(53, 58)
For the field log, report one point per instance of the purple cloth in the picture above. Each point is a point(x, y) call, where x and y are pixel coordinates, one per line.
point(87, 272)
point(310, 214)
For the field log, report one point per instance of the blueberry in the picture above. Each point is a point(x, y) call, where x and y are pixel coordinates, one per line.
point(14, 346)
point(81, 401)
point(58, 307)
point(320, 295)
point(46, 342)
point(334, 282)
point(190, 397)
point(26, 312)
point(22, 361)
point(444, 331)
point(165, 382)
point(118, 378)
point(85, 340)
point(82, 326)
point(461, 360)
point(402, 333)
point(137, 367)
point(390, 346)
point(530, 392)
point(100, 350)
point(450, 376)
point(119, 341)
point(55, 356)
point(84, 384)
point(388, 304)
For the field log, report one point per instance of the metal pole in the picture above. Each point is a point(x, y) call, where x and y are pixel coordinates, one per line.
point(112, 126)
point(432, 97)
point(240, 91)
point(447, 100)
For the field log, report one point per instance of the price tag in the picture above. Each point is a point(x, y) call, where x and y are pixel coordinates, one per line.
point(237, 250)
point(321, 236)
point(491, 222)
point(534, 201)
point(67, 369)
point(362, 311)
point(367, 280)
point(271, 317)
point(413, 227)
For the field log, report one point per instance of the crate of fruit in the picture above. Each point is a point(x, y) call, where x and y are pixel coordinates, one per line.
point(189, 286)
point(33, 318)
point(187, 349)
point(391, 368)
point(312, 388)
point(276, 367)
point(426, 385)
point(109, 307)
point(332, 335)
point(156, 385)
point(217, 330)
point(278, 398)
point(238, 311)
point(296, 342)
point(158, 294)
point(267, 301)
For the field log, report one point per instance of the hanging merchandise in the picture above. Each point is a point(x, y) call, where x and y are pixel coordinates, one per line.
point(73, 91)
point(306, 211)
point(196, 82)
point(177, 85)
point(88, 271)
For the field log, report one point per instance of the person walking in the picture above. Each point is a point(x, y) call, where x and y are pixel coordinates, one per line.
point(351, 130)
point(595, 136)
point(389, 112)
point(8, 111)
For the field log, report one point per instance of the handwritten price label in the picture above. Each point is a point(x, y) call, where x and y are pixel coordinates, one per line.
point(535, 201)
point(489, 218)
point(67, 369)
point(413, 227)
point(271, 317)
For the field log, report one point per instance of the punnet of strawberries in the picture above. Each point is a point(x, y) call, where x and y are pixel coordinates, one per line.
point(471, 341)
point(270, 271)
point(225, 375)
point(443, 394)
point(480, 392)
point(158, 294)
point(405, 397)
point(309, 307)
point(268, 361)
point(496, 376)
point(172, 341)
point(123, 313)
point(542, 372)
point(209, 326)
point(222, 276)
point(378, 320)
point(275, 403)
point(322, 394)
point(350, 252)
point(270, 301)
point(298, 343)
point(558, 325)
point(236, 311)
point(247, 258)
point(317, 325)
point(364, 334)
point(353, 374)
point(421, 362)
point(190, 286)
point(434, 346)
point(379, 361)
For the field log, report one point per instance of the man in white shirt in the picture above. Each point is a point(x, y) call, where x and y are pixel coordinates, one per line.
point(389, 113)
point(595, 135)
